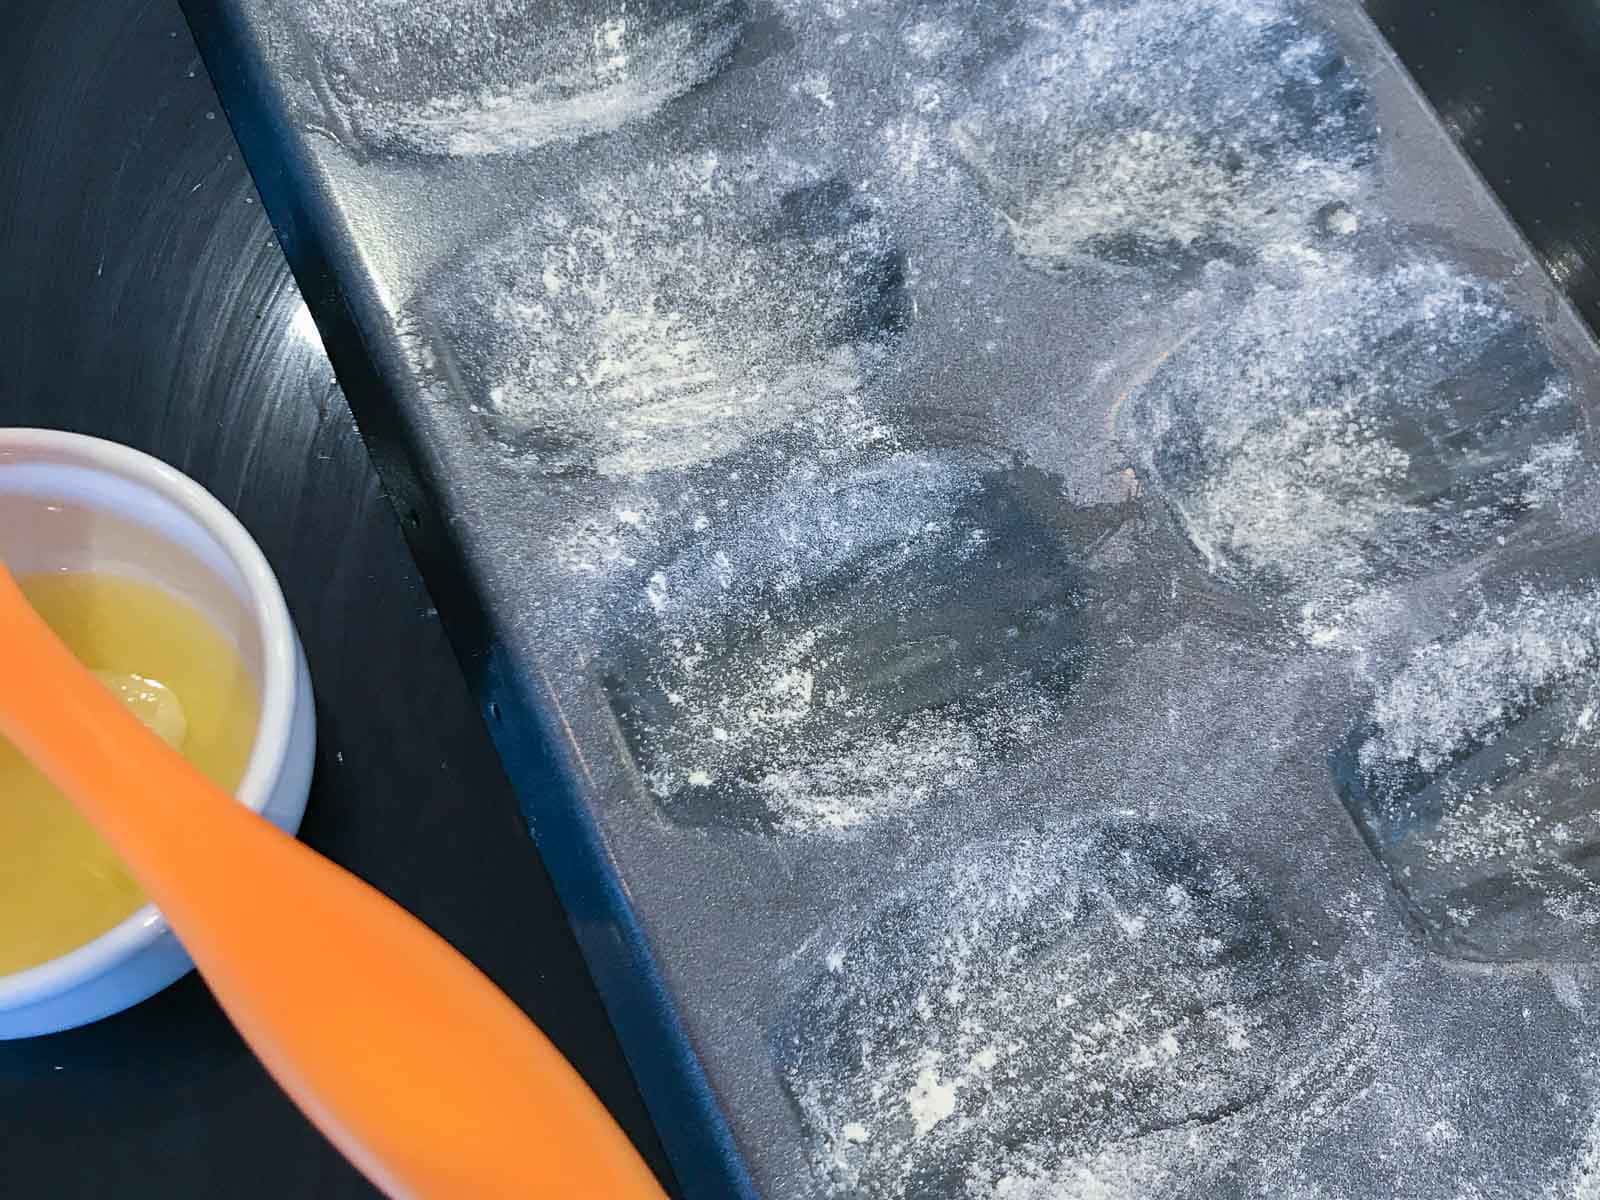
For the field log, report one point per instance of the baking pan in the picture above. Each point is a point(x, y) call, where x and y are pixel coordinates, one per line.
point(1032, 566)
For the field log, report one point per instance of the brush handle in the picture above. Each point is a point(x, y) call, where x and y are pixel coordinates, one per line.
point(403, 1053)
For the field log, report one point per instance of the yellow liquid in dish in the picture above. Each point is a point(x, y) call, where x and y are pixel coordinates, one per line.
point(60, 884)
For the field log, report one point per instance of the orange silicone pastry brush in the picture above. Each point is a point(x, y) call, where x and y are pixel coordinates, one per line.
point(402, 1052)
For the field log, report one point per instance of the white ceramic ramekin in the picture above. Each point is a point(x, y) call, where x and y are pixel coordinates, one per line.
point(69, 502)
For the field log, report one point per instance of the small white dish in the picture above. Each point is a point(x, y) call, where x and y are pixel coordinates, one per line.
point(70, 502)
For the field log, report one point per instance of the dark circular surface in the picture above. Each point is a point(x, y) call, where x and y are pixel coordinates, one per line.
point(145, 299)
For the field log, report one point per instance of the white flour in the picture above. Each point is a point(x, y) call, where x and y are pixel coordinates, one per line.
point(662, 319)
point(819, 520)
point(1107, 1011)
point(1474, 833)
point(787, 694)
point(1584, 1181)
point(1310, 487)
point(1460, 692)
point(809, 623)
point(610, 542)
point(870, 772)
point(1338, 432)
point(785, 740)
point(474, 77)
point(1475, 769)
point(1162, 132)
point(1071, 1015)
point(1115, 1172)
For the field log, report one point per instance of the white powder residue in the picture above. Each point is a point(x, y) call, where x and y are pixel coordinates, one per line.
point(1474, 834)
point(1584, 1181)
point(468, 77)
point(610, 541)
point(692, 344)
point(909, 148)
point(853, 645)
point(1041, 1020)
point(930, 1100)
point(819, 520)
point(1126, 177)
point(1339, 432)
point(933, 38)
point(1342, 221)
point(1165, 131)
point(665, 318)
point(1463, 690)
point(1551, 465)
point(792, 733)
point(894, 768)
point(1161, 1164)
point(1575, 904)
point(1313, 486)
point(1474, 768)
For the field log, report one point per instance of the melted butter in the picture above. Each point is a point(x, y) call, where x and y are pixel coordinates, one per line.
point(152, 701)
point(60, 884)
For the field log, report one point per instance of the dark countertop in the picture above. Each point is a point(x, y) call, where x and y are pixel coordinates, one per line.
point(145, 299)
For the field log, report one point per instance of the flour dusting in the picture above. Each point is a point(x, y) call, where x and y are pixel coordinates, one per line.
point(1458, 693)
point(1473, 773)
point(1070, 1013)
point(468, 77)
point(1583, 1183)
point(1166, 132)
point(664, 318)
point(855, 646)
point(896, 767)
point(822, 518)
point(1348, 429)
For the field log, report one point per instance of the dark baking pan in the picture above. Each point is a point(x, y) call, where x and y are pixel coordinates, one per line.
point(1030, 564)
